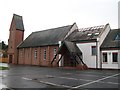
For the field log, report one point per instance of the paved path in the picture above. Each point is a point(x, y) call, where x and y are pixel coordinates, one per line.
point(20, 76)
point(4, 64)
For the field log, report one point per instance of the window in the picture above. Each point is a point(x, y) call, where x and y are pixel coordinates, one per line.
point(44, 54)
point(28, 54)
point(35, 54)
point(89, 34)
point(94, 50)
point(104, 57)
point(54, 52)
point(115, 57)
point(117, 37)
point(21, 53)
point(97, 33)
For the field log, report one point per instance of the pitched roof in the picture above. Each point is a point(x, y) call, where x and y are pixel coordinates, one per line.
point(71, 46)
point(46, 37)
point(86, 34)
point(18, 22)
point(110, 40)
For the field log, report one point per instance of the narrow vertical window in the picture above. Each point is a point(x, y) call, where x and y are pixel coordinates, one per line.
point(115, 57)
point(54, 52)
point(94, 50)
point(35, 54)
point(21, 53)
point(44, 54)
point(104, 57)
point(28, 54)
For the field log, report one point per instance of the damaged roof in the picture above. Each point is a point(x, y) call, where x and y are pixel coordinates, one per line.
point(112, 40)
point(46, 37)
point(18, 22)
point(87, 34)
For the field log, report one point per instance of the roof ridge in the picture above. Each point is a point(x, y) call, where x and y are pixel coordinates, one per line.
point(50, 29)
point(17, 15)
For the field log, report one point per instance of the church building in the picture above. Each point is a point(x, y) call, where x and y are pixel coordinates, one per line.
point(66, 46)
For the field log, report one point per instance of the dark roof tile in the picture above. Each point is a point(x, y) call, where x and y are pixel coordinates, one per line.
point(71, 46)
point(110, 41)
point(18, 22)
point(46, 37)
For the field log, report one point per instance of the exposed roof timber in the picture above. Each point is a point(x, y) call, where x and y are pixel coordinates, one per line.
point(92, 28)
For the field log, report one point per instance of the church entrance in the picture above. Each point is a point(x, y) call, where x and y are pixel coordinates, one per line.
point(10, 58)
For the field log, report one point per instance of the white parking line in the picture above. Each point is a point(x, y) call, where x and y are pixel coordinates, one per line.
point(97, 74)
point(85, 74)
point(109, 82)
point(49, 83)
point(2, 86)
point(26, 78)
point(69, 78)
point(65, 86)
point(74, 79)
point(95, 81)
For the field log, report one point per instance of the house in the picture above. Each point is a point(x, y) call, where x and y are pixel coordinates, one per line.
point(3, 52)
point(110, 49)
point(15, 37)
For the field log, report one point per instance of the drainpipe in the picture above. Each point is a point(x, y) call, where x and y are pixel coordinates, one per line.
point(97, 53)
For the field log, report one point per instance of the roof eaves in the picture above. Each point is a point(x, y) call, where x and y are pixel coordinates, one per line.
point(83, 41)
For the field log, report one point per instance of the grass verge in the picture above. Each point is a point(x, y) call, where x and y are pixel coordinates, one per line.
point(4, 68)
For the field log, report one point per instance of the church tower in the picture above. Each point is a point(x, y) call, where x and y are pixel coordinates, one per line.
point(16, 35)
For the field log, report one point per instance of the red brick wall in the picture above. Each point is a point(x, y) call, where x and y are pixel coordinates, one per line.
point(35, 60)
point(42, 61)
point(28, 57)
point(21, 56)
point(11, 41)
point(19, 35)
point(15, 38)
point(52, 55)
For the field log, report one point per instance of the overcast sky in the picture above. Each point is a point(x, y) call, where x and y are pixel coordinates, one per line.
point(45, 14)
